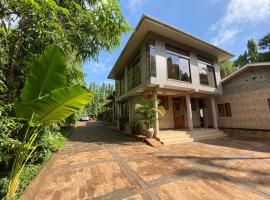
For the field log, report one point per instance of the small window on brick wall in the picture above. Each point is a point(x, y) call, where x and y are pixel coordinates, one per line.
point(268, 100)
point(224, 110)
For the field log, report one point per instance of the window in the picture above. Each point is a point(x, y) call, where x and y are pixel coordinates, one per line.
point(193, 104)
point(124, 108)
point(228, 110)
point(178, 64)
point(117, 88)
point(134, 72)
point(163, 101)
point(268, 100)
point(151, 58)
point(224, 110)
point(122, 84)
point(207, 72)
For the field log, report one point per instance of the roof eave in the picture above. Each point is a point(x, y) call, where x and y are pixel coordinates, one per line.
point(112, 75)
point(244, 68)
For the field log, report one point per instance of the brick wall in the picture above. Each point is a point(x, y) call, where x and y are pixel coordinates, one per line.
point(249, 110)
point(252, 79)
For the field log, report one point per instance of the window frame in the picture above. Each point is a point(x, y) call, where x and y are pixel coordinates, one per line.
point(151, 71)
point(214, 72)
point(134, 63)
point(180, 56)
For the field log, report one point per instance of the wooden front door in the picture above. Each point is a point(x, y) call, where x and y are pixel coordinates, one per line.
point(179, 112)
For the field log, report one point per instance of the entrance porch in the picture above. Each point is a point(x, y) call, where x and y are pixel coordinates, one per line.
point(176, 136)
point(189, 117)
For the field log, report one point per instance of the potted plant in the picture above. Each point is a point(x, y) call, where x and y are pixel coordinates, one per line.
point(148, 111)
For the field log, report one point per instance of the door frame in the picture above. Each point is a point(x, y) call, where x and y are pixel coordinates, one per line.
point(182, 103)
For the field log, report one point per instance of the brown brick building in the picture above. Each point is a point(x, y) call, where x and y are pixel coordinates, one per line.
point(245, 103)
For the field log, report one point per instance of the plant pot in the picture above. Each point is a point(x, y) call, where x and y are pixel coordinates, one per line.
point(150, 132)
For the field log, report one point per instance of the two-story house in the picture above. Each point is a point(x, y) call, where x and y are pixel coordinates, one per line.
point(176, 67)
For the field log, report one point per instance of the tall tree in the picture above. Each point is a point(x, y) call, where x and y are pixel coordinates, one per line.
point(241, 60)
point(81, 27)
point(264, 43)
point(226, 68)
point(101, 92)
point(252, 51)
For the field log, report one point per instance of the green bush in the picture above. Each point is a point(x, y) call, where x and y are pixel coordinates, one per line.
point(48, 142)
point(135, 126)
point(28, 174)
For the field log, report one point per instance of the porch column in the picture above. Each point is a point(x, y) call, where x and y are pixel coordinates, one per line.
point(189, 113)
point(156, 128)
point(214, 112)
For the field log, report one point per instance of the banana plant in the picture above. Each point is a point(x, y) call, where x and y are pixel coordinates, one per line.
point(45, 99)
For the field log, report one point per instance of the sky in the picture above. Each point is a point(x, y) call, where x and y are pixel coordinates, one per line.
point(225, 23)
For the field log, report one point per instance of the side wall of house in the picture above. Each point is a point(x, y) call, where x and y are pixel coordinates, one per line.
point(167, 121)
point(247, 95)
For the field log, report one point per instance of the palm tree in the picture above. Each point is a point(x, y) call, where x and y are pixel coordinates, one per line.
point(147, 109)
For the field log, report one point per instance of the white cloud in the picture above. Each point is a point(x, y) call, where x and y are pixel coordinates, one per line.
point(98, 68)
point(238, 14)
point(133, 3)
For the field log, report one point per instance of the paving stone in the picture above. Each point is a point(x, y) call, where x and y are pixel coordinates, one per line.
point(101, 163)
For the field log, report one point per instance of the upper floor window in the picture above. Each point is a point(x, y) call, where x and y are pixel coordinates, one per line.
point(134, 72)
point(151, 58)
point(120, 85)
point(178, 64)
point(207, 72)
point(117, 88)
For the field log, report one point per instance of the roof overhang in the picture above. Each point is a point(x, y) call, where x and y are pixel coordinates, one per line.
point(244, 68)
point(148, 24)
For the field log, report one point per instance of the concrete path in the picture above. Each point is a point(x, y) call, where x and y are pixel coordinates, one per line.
point(100, 163)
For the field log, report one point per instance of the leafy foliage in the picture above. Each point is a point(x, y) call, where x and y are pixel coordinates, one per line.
point(264, 43)
point(9, 137)
point(100, 94)
point(81, 27)
point(226, 68)
point(148, 111)
point(47, 73)
point(45, 108)
point(252, 54)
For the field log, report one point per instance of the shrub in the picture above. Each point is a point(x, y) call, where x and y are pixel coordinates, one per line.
point(134, 126)
point(48, 142)
point(28, 174)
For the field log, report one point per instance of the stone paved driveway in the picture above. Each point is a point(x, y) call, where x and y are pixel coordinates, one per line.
point(99, 163)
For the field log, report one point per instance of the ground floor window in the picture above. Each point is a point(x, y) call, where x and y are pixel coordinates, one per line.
point(224, 110)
